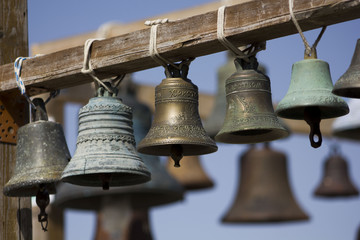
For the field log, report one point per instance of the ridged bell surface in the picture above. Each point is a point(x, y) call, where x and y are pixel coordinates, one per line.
point(105, 151)
point(161, 189)
point(264, 193)
point(348, 126)
point(336, 180)
point(41, 156)
point(250, 116)
point(311, 86)
point(348, 84)
point(177, 121)
point(191, 174)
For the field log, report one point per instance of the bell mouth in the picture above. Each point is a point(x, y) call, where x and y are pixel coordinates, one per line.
point(251, 132)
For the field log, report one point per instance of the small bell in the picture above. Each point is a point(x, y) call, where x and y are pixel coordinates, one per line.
point(336, 181)
point(177, 130)
point(250, 116)
point(264, 193)
point(191, 175)
point(309, 96)
point(41, 156)
point(348, 126)
point(105, 154)
point(348, 84)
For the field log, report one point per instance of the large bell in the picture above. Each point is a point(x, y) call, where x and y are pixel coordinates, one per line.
point(264, 193)
point(176, 130)
point(191, 175)
point(250, 116)
point(41, 155)
point(309, 96)
point(105, 154)
point(161, 189)
point(336, 181)
point(348, 84)
point(348, 126)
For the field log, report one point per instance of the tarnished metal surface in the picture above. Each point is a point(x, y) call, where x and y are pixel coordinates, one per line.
point(348, 84)
point(161, 189)
point(264, 193)
point(177, 127)
point(250, 116)
point(41, 156)
point(348, 126)
point(336, 180)
point(191, 174)
point(105, 154)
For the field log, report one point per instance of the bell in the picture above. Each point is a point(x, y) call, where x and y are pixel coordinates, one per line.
point(348, 126)
point(348, 84)
point(264, 193)
point(309, 96)
point(176, 130)
point(336, 181)
point(191, 175)
point(250, 115)
point(41, 155)
point(105, 154)
point(161, 189)
point(214, 121)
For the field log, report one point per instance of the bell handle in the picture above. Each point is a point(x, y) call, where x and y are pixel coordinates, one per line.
point(39, 113)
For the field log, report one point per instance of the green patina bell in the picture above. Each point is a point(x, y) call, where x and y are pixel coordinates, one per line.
point(309, 96)
point(250, 116)
point(105, 154)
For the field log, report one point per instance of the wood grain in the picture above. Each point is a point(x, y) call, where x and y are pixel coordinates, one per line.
point(248, 22)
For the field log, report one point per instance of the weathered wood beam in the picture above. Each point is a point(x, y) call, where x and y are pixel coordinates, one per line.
point(249, 22)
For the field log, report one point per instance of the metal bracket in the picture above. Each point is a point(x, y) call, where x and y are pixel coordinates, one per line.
point(12, 115)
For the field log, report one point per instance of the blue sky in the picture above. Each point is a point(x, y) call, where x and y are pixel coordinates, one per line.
point(198, 216)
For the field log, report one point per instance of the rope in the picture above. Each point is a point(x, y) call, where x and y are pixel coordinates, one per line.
point(154, 54)
point(222, 39)
point(308, 49)
point(20, 84)
point(87, 68)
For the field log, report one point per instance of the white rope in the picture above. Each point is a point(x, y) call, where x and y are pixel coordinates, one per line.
point(222, 39)
point(154, 54)
point(293, 18)
point(87, 68)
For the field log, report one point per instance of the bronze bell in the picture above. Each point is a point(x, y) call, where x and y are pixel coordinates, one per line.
point(105, 154)
point(250, 116)
point(176, 130)
point(348, 126)
point(348, 84)
point(309, 96)
point(191, 175)
point(161, 189)
point(336, 181)
point(264, 193)
point(41, 155)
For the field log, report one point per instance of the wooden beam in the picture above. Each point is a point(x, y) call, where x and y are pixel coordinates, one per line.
point(249, 22)
point(15, 212)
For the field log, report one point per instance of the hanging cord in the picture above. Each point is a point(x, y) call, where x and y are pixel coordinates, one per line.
point(308, 50)
point(154, 54)
point(245, 54)
point(87, 68)
point(52, 95)
point(20, 84)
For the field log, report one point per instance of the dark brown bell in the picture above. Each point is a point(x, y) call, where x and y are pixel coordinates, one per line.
point(191, 175)
point(309, 96)
point(348, 84)
point(264, 193)
point(105, 150)
point(41, 155)
point(250, 116)
point(336, 181)
point(176, 130)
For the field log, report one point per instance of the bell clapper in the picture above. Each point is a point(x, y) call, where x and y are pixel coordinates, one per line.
point(312, 116)
point(176, 153)
point(105, 179)
point(43, 200)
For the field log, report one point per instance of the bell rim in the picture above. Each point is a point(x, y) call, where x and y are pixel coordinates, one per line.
point(265, 220)
point(27, 188)
point(325, 192)
point(163, 149)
